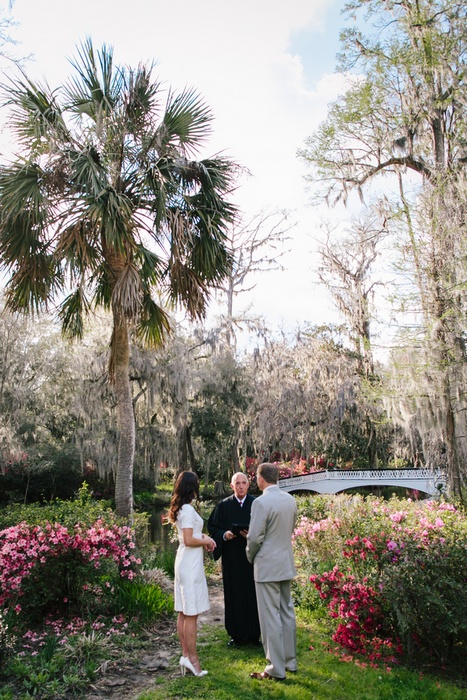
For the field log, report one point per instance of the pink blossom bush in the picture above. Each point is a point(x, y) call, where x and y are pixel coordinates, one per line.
point(392, 574)
point(48, 569)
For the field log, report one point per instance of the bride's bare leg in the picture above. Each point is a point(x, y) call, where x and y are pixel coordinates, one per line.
point(189, 635)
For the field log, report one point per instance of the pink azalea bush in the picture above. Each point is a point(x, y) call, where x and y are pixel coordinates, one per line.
point(51, 568)
point(391, 574)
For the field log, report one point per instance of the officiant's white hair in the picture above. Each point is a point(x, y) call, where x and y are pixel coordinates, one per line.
point(234, 477)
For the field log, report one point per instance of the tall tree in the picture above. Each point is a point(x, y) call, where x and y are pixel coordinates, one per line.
point(106, 201)
point(307, 400)
point(345, 269)
point(255, 246)
point(404, 115)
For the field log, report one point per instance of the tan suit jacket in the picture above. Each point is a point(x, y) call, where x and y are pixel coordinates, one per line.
point(269, 541)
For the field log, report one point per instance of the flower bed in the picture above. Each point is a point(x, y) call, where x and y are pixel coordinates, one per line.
point(48, 569)
point(391, 574)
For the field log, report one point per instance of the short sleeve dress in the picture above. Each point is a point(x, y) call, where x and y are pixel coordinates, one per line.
point(190, 590)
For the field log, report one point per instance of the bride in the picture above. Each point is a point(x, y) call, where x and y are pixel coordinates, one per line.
point(191, 590)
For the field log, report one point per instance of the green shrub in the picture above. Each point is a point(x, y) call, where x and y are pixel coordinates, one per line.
point(424, 593)
point(82, 509)
point(162, 559)
point(137, 599)
point(54, 670)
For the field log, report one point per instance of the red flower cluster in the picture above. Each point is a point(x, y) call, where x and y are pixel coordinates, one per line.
point(361, 619)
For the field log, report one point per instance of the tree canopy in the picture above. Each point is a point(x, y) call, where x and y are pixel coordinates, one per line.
point(404, 117)
point(106, 205)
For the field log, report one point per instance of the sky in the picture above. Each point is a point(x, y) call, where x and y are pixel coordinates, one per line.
point(267, 70)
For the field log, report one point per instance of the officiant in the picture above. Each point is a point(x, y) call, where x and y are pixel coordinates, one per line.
point(228, 526)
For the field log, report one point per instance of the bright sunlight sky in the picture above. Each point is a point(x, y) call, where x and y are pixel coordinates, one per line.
point(266, 69)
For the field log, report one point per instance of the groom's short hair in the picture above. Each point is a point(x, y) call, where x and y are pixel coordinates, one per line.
point(269, 472)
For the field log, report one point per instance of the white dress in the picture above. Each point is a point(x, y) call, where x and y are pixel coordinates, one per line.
point(191, 590)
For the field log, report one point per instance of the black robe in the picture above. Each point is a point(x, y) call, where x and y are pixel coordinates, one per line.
point(241, 612)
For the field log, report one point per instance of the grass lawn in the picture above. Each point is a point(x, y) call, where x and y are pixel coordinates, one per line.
point(321, 675)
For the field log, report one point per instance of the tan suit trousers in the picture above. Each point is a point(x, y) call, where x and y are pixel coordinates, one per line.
point(277, 622)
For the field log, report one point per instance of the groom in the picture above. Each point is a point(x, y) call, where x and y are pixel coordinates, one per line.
point(269, 549)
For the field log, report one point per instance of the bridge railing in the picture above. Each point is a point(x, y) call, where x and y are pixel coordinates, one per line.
point(363, 475)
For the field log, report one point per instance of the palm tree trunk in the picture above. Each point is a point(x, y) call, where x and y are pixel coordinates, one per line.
point(120, 350)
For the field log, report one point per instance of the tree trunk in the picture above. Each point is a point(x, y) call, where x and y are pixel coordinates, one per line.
point(372, 444)
point(190, 450)
point(235, 461)
point(453, 461)
point(126, 419)
point(185, 451)
point(219, 490)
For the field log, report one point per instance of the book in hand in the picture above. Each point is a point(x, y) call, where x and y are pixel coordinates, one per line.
point(238, 527)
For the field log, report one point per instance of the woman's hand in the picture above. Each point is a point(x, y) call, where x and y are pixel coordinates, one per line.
point(208, 543)
point(190, 541)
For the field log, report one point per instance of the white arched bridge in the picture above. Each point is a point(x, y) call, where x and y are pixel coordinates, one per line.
point(428, 481)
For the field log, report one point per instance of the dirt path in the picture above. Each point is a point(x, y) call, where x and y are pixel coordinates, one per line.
point(154, 652)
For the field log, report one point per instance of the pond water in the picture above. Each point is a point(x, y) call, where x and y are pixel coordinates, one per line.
point(160, 533)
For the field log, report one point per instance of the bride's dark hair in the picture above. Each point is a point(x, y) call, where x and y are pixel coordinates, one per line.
point(186, 489)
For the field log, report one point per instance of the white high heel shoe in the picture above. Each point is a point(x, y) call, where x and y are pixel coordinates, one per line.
point(185, 664)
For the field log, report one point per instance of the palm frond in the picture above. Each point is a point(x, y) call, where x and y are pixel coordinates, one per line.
point(19, 241)
point(218, 174)
point(113, 212)
point(179, 231)
point(187, 287)
point(36, 116)
point(21, 189)
point(78, 245)
point(213, 213)
point(96, 88)
point(207, 185)
point(33, 284)
point(186, 123)
point(72, 312)
point(23, 219)
point(209, 256)
point(100, 281)
point(87, 172)
point(154, 324)
point(158, 184)
point(150, 266)
point(140, 102)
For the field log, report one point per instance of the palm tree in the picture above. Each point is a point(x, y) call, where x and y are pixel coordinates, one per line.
point(106, 206)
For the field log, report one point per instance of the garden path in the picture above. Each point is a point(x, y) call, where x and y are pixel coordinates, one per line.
point(155, 652)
